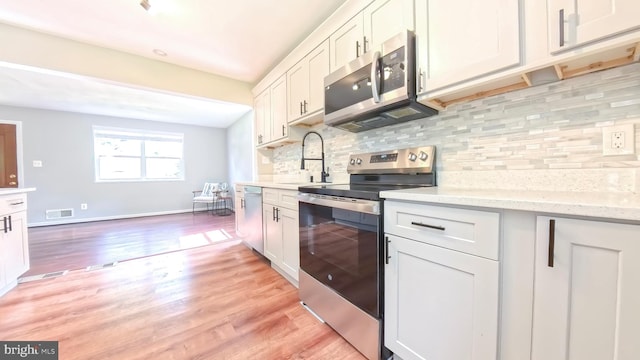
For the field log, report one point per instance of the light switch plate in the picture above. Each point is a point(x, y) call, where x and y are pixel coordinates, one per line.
point(618, 140)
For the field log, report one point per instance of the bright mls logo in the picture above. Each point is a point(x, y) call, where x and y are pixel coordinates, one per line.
point(32, 350)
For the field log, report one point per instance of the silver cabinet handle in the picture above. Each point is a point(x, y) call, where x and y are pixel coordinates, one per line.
point(386, 249)
point(305, 106)
point(17, 203)
point(357, 48)
point(561, 25)
point(375, 81)
point(364, 44)
point(421, 80)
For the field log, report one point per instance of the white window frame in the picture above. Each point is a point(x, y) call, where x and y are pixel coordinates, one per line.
point(142, 135)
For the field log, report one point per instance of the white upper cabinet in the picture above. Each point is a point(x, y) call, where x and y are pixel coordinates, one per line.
point(305, 84)
point(262, 106)
point(587, 276)
point(577, 22)
point(280, 127)
point(377, 23)
point(458, 40)
point(384, 19)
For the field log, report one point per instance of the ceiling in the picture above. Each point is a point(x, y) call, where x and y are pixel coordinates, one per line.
point(239, 39)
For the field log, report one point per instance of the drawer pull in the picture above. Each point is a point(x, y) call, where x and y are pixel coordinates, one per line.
point(552, 242)
point(441, 228)
point(17, 203)
point(10, 226)
point(561, 26)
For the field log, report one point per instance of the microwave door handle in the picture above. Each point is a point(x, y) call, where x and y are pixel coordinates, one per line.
point(375, 81)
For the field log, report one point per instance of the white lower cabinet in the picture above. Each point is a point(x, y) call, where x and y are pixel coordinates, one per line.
point(587, 300)
point(282, 245)
point(14, 245)
point(440, 303)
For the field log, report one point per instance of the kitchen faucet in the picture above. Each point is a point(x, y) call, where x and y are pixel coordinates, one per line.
point(324, 174)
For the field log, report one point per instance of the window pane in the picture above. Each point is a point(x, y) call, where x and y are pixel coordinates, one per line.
point(109, 146)
point(163, 149)
point(110, 167)
point(163, 168)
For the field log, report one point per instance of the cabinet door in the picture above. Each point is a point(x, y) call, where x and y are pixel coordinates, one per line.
point(297, 89)
point(263, 117)
point(346, 43)
point(290, 242)
point(15, 247)
point(279, 109)
point(384, 19)
point(239, 212)
point(272, 234)
point(575, 22)
point(439, 303)
point(318, 64)
point(586, 305)
point(461, 39)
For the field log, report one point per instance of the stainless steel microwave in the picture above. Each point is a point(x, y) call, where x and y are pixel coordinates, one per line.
point(377, 89)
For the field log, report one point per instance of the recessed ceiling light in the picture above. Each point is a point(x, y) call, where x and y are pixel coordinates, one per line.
point(159, 52)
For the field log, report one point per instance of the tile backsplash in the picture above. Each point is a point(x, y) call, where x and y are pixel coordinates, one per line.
point(547, 137)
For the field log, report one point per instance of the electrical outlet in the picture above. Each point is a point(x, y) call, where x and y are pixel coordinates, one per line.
point(83, 206)
point(618, 140)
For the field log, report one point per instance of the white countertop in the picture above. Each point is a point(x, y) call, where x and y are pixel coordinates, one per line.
point(10, 191)
point(276, 185)
point(620, 206)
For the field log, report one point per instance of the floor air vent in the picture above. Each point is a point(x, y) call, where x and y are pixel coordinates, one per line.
point(59, 213)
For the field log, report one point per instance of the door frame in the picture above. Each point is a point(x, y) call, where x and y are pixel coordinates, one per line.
point(19, 153)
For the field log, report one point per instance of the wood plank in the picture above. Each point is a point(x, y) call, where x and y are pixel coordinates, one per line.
point(76, 246)
point(213, 302)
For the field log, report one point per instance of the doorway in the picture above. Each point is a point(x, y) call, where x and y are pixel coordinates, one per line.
point(8, 156)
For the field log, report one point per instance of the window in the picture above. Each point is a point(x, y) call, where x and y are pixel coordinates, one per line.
point(137, 155)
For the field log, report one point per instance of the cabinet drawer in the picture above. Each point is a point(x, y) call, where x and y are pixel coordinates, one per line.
point(270, 196)
point(469, 231)
point(13, 203)
point(288, 199)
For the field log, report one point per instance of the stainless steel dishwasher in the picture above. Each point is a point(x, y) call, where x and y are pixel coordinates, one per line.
point(251, 226)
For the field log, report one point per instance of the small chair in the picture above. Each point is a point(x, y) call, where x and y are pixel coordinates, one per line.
point(205, 196)
point(222, 200)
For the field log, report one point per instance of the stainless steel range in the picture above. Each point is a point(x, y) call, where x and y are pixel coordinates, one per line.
point(341, 242)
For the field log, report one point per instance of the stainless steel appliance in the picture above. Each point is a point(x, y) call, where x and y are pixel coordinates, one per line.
point(341, 242)
point(251, 228)
point(377, 89)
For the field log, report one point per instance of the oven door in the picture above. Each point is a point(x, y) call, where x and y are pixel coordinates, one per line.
point(340, 247)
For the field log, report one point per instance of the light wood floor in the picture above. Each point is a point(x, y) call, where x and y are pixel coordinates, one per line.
point(213, 302)
point(76, 246)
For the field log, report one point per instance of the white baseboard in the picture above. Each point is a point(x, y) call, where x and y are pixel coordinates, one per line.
point(101, 218)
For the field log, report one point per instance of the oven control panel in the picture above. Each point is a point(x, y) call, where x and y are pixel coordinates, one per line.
point(409, 160)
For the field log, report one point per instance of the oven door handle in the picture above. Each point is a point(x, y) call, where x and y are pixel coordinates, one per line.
point(357, 205)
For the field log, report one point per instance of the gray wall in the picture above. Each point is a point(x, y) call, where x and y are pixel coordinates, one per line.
point(240, 149)
point(63, 141)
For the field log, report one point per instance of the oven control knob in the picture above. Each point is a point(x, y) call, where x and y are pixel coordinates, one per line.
point(412, 157)
point(353, 161)
point(358, 161)
point(330, 277)
point(423, 156)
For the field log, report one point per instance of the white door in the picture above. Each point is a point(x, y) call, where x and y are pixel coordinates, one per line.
point(280, 128)
point(290, 242)
point(262, 107)
point(297, 89)
point(458, 40)
point(384, 19)
point(346, 43)
point(575, 22)
point(272, 234)
point(587, 305)
point(440, 303)
point(318, 64)
point(15, 247)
